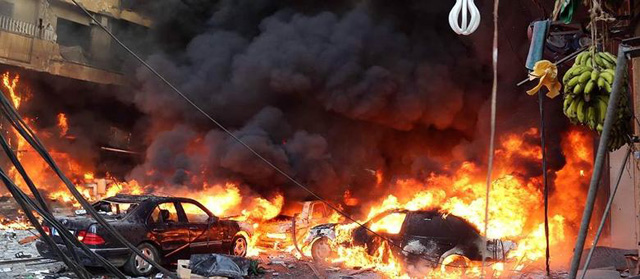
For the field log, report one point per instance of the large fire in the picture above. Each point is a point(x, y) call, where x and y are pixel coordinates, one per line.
point(515, 206)
point(515, 202)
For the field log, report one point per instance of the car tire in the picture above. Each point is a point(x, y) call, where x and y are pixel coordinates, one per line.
point(456, 262)
point(137, 267)
point(239, 246)
point(321, 250)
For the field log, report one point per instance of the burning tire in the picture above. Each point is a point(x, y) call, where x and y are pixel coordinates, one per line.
point(455, 262)
point(321, 250)
point(239, 247)
point(137, 267)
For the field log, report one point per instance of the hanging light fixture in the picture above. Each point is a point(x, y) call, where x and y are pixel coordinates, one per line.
point(468, 9)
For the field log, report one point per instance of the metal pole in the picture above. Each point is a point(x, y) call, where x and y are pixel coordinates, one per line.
point(544, 178)
point(621, 68)
point(606, 212)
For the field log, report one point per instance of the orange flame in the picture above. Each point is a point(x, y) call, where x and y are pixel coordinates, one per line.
point(11, 85)
point(515, 205)
point(63, 124)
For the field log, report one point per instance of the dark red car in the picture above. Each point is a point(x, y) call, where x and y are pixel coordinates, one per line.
point(163, 228)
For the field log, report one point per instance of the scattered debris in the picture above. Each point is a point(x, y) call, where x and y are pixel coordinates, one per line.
point(361, 271)
point(28, 239)
point(22, 255)
point(315, 271)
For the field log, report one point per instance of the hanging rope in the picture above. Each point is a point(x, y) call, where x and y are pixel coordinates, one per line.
point(545, 182)
point(494, 93)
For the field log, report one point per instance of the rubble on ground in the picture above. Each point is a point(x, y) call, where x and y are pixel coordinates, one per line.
point(23, 262)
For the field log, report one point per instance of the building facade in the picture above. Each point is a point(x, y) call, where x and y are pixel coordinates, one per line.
point(56, 37)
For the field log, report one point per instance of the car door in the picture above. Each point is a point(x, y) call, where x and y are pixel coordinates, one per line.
point(205, 235)
point(169, 229)
point(427, 233)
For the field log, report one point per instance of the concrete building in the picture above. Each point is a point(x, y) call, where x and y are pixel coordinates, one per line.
point(56, 37)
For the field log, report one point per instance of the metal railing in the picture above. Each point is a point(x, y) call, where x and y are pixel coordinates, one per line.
point(26, 28)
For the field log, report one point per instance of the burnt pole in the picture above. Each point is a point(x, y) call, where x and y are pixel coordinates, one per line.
point(610, 117)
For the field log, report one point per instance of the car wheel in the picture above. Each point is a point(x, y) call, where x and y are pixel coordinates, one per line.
point(455, 262)
point(420, 268)
point(240, 246)
point(321, 250)
point(137, 266)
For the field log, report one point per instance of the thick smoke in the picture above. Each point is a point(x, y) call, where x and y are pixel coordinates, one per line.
point(328, 92)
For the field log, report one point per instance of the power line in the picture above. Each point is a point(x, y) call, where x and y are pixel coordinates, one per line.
point(237, 139)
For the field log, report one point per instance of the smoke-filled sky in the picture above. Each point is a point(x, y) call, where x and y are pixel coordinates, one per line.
point(329, 91)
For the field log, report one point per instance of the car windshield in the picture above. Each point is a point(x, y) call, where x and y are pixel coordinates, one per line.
point(116, 209)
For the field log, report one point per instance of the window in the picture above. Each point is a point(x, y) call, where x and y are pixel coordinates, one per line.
point(114, 208)
point(168, 212)
point(318, 211)
point(155, 216)
point(392, 223)
point(6, 9)
point(73, 34)
point(195, 214)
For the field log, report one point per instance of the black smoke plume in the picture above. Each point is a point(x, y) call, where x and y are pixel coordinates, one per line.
point(328, 92)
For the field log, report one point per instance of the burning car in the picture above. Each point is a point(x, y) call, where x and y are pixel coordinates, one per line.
point(163, 228)
point(282, 230)
point(426, 236)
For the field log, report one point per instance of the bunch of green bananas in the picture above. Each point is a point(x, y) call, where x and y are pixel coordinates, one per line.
point(587, 85)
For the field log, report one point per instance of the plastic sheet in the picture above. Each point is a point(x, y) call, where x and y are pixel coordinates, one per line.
point(219, 265)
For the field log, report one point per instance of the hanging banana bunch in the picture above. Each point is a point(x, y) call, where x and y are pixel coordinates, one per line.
point(587, 85)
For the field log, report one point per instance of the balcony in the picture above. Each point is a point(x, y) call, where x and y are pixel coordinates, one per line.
point(25, 45)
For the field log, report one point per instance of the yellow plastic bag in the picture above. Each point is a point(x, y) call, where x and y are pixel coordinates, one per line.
point(547, 72)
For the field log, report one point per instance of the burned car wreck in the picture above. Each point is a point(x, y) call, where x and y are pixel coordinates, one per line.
point(163, 228)
point(426, 236)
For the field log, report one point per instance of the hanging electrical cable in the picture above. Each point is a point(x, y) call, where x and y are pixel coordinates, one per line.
point(231, 134)
point(67, 237)
point(78, 270)
point(466, 8)
point(25, 131)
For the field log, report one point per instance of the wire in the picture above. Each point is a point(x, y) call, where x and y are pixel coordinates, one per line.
point(236, 138)
point(67, 237)
point(545, 181)
point(25, 131)
point(78, 270)
point(492, 139)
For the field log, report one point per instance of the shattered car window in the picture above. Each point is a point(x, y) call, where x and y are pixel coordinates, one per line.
point(194, 213)
point(391, 223)
point(118, 209)
point(168, 212)
point(154, 217)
